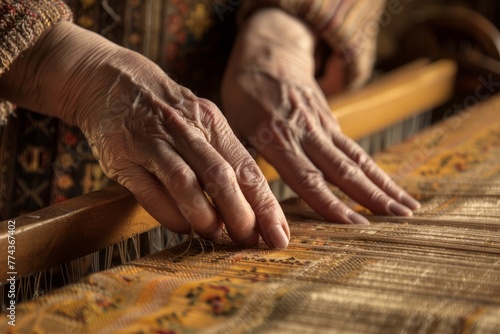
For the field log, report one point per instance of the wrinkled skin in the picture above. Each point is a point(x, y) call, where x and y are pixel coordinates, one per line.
point(155, 137)
point(271, 98)
point(169, 147)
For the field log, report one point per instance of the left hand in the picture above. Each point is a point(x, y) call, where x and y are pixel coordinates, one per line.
point(169, 147)
point(271, 98)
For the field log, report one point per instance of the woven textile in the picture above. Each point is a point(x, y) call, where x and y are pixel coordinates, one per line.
point(437, 271)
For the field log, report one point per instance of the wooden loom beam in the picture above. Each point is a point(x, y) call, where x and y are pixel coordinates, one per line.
point(74, 228)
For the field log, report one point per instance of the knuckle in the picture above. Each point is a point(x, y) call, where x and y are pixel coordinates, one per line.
point(376, 197)
point(220, 178)
point(220, 173)
point(309, 179)
point(347, 170)
point(212, 115)
point(362, 159)
point(387, 184)
point(214, 124)
point(181, 181)
point(189, 209)
point(207, 104)
point(249, 174)
point(265, 206)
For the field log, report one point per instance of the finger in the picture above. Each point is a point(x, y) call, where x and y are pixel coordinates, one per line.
point(180, 181)
point(349, 177)
point(308, 182)
point(219, 181)
point(270, 219)
point(151, 195)
point(374, 172)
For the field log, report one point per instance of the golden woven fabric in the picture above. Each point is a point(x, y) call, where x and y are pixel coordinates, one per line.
point(435, 272)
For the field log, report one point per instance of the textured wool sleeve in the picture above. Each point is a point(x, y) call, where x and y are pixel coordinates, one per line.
point(22, 22)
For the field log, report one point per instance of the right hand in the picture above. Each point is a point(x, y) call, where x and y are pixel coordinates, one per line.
point(272, 99)
point(155, 137)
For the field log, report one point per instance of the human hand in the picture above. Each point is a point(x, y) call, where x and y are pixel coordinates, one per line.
point(270, 97)
point(155, 137)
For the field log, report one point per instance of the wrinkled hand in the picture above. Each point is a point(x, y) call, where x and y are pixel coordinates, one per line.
point(167, 146)
point(270, 97)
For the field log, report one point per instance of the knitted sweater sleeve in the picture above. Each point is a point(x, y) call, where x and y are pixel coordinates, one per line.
point(349, 27)
point(22, 22)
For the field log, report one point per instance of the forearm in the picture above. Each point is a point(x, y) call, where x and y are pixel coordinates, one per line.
point(23, 82)
point(44, 78)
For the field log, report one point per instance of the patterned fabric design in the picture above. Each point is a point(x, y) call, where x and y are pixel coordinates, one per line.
point(34, 162)
point(435, 272)
point(27, 163)
point(196, 44)
point(75, 170)
point(8, 144)
point(434, 160)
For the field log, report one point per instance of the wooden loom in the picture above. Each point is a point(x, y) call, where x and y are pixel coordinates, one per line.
point(86, 224)
point(434, 272)
point(418, 86)
point(80, 226)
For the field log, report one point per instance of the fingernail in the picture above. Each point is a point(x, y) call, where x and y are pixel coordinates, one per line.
point(278, 237)
point(399, 210)
point(358, 219)
point(410, 202)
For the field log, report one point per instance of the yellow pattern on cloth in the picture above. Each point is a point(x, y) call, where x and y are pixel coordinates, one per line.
point(437, 271)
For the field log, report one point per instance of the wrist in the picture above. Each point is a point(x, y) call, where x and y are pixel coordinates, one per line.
point(52, 76)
